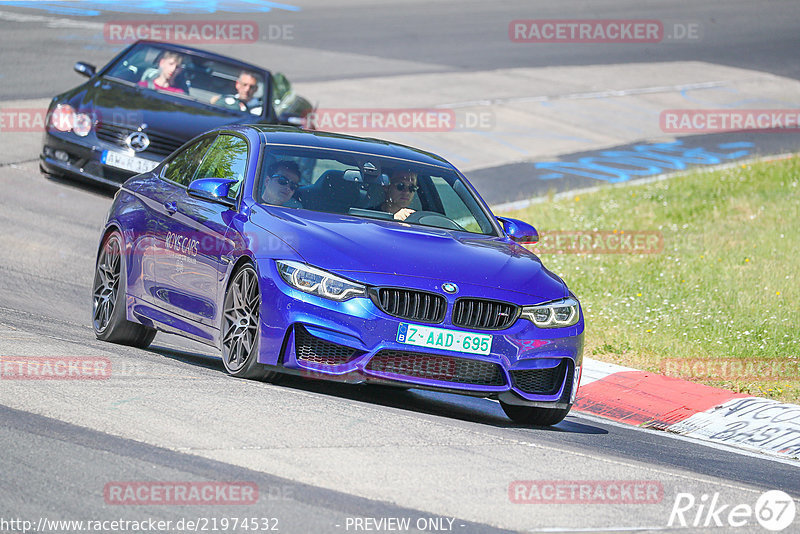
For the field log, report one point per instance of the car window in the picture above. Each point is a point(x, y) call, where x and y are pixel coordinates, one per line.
point(183, 166)
point(455, 205)
point(227, 158)
point(370, 186)
point(194, 77)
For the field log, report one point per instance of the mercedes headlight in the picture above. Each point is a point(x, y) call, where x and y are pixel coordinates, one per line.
point(318, 282)
point(64, 118)
point(556, 314)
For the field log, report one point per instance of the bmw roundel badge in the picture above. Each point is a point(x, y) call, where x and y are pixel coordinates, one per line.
point(449, 287)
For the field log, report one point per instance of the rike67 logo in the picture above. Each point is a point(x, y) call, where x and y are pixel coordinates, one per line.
point(774, 510)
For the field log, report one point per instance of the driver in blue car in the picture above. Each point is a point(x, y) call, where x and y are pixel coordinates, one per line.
point(399, 194)
point(282, 180)
point(246, 87)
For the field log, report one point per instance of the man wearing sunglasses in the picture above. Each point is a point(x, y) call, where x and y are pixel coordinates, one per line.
point(399, 194)
point(282, 180)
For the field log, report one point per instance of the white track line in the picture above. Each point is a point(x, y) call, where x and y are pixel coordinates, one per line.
point(51, 22)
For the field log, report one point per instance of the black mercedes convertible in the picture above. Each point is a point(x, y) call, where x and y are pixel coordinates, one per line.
point(151, 99)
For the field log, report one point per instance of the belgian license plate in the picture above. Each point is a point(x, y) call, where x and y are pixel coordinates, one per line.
point(129, 163)
point(442, 338)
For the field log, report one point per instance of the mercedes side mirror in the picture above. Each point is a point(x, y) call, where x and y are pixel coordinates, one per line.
point(85, 69)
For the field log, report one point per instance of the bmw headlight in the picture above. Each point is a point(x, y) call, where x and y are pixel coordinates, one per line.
point(556, 314)
point(318, 282)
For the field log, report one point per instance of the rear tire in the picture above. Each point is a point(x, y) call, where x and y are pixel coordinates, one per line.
point(241, 330)
point(108, 299)
point(531, 415)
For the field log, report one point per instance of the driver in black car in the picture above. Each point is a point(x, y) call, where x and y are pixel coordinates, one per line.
point(246, 87)
point(399, 194)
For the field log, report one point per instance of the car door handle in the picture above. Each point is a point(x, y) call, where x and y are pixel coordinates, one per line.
point(171, 207)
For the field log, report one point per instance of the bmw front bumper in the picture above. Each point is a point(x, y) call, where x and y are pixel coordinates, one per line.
point(355, 341)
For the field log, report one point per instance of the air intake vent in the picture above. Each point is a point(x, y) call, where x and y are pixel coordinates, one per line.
point(540, 381)
point(315, 350)
point(437, 367)
point(484, 314)
point(412, 305)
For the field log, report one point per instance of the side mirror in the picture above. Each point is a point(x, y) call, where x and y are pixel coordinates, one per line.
point(213, 189)
point(355, 175)
point(84, 69)
point(379, 179)
point(352, 175)
point(519, 231)
point(295, 110)
point(292, 120)
point(280, 87)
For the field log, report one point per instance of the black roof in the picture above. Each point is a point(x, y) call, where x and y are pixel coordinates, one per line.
point(293, 136)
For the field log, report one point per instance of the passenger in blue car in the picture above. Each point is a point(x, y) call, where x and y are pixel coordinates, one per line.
point(399, 194)
point(246, 87)
point(283, 179)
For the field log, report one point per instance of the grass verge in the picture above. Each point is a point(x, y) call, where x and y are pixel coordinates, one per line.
point(720, 304)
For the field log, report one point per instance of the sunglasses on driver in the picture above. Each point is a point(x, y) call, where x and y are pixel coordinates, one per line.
point(282, 180)
point(400, 186)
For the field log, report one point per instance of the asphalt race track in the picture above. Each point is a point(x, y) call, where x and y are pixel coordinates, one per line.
point(328, 457)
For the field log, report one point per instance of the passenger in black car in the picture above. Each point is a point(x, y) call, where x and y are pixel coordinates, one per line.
point(170, 65)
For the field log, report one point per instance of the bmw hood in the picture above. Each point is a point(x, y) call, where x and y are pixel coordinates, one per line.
point(349, 245)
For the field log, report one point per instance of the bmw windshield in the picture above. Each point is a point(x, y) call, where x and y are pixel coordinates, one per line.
point(370, 186)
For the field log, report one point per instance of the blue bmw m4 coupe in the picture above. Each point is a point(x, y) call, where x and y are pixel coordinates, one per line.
point(341, 258)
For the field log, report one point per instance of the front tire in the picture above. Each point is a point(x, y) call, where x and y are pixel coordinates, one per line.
point(531, 415)
point(240, 327)
point(108, 299)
